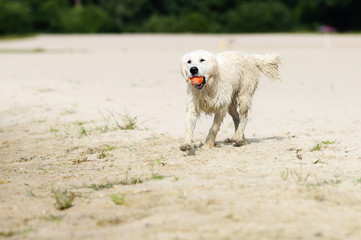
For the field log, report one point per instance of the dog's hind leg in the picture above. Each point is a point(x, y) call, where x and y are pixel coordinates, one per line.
point(217, 121)
point(245, 101)
point(232, 110)
point(238, 137)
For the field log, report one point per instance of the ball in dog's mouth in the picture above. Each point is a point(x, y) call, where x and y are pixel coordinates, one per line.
point(198, 82)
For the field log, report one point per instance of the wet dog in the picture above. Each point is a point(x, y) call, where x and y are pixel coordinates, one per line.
point(221, 83)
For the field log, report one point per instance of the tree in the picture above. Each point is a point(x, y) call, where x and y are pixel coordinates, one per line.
point(15, 17)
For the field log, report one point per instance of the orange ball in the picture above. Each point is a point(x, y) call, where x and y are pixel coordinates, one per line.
point(196, 80)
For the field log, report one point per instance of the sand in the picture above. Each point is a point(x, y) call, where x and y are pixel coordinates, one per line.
point(65, 104)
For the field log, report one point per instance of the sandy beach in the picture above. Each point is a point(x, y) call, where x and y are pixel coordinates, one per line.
point(98, 119)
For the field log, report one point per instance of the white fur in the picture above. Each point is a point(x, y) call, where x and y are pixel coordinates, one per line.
point(231, 80)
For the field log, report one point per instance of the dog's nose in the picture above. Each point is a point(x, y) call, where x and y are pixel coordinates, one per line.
point(194, 70)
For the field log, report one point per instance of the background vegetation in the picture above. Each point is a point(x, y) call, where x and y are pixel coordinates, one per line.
point(195, 16)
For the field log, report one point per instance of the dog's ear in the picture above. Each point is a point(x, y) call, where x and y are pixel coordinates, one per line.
point(184, 67)
point(213, 67)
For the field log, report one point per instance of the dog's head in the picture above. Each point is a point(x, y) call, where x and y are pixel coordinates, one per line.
point(198, 67)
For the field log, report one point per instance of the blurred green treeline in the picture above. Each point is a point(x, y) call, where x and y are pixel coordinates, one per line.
point(194, 16)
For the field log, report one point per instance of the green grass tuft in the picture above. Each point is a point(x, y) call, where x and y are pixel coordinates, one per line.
point(53, 129)
point(328, 142)
point(102, 154)
point(52, 218)
point(82, 132)
point(110, 147)
point(129, 122)
point(98, 187)
point(285, 174)
point(157, 177)
point(63, 199)
point(30, 193)
point(118, 199)
point(82, 158)
point(319, 146)
point(135, 181)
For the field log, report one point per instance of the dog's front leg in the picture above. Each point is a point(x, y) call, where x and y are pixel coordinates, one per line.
point(217, 121)
point(190, 122)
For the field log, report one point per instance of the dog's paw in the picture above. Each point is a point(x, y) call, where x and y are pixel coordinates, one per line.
point(236, 142)
point(185, 147)
point(239, 143)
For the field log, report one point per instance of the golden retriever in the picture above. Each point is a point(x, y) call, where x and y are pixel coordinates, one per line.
point(221, 83)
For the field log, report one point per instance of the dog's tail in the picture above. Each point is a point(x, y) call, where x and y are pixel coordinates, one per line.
point(268, 65)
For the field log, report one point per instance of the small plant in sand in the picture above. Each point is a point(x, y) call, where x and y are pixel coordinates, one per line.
point(63, 199)
point(285, 174)
point(299, 176)
point(319, 146)
point(118, 199)
point(129, 122)
point(328, 142)
point(82, 132)
point(109, 147)
point(82, 158)
point(157, 177)
point(53, 129)
point(30, 193)
point(127, 181)
point(111, 122)
point(98, 187)
point(130, 181)
point(133, 181)
point(161, 161)
point(52, 218)
point(104, 153)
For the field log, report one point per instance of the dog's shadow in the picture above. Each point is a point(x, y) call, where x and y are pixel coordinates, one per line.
point(226, 142)
point(248, 141)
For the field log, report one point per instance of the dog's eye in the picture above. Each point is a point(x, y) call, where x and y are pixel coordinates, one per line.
point(189, 62)
point(202, 60)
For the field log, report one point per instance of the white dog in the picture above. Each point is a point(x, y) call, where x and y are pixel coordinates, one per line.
point(221, 83)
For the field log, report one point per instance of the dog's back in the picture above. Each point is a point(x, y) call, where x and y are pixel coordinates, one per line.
point(242, 62)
